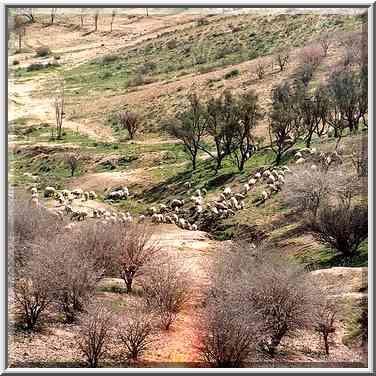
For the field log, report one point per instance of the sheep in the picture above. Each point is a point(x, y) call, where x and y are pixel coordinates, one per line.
point(220, 205)
point(78, 192)
point(281, 179)
point(300, 161)
point(194, 227)
point(116, 195)
point(187, 185)
point(163, 208)
point(176, 203)
point(298, 155)
point(141, 218)
point(313, 151)
point(222, 197)
point(34, 195)
point(96, 213)
point(270, 180)
point(214, 210)
point(198, 192)
point(86, 196)
point(168, 219)
point(92, 195)
point(182, 222)
point(257, 176)
point(68, 209)
point(246, 188)
point(199, 209)
point(264, 195)
point(230, 211)
point(175, 218)
point(177, 209)
point(34, 190)
point(239, 196)
point(252, 181)
point(65, 192)
point(126, 191)
point(49, 191)
point(204, 191)
point(266, 174)
point(242, 204)
point(227, 191)
point(313, 167)
point(79, 215)
point(157, 218)
point(233, 202)
point(197, 200)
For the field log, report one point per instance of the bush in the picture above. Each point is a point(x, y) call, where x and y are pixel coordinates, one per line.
point(136, 331)
point(165, 290)
point(42, 51)
point(129, 121)
point(94, 334)
point(231, 74)
point(16, 62)
point(108, 59)
point(202, 22)
point(36, 66)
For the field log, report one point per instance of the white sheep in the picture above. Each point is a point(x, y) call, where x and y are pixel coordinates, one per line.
point(214, 210)
point(252, 181)
point(220, 205)
point(298, 155)
point(199, 209)
point(177, 209)
point(34, 191)
point(86, 196)
point(141, 218)
point(204, 191)
point(198, 192)
point(257, 175)
point(49, 191)
point(239, 196)
point(65, 192)
point(246, 188)
point(92, 195)
point(222, 197)
point(194, 227)
point(264, 195)
point(175, 218)
point(300, 161)
point(182, 222)
point(313, 167)
point(266, 174)
point(126, 191)
point(168, 219)
point(313, 151)
point(242, 204)
point(281, 179)
point(270, 180)
point(78, 192)
point(188, 185)
point(152, 210)
point(227, 191)
point(233, 202)
point(197, 200)
point(177, 203)
point(163, 208)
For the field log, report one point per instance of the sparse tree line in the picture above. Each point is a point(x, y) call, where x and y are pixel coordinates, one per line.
point(224, 126)
point(56, 269)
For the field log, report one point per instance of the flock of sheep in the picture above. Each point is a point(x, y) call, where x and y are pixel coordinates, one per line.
point(188, 213)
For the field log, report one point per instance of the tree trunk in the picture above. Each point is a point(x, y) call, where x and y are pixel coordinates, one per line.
point(325, 335)
point(276, 340)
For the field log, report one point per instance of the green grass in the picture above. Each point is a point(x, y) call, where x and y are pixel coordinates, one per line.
point(356, 324)
point(325, 257)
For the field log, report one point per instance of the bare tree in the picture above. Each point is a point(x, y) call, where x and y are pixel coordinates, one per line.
point(147, 12)
point(311, 55)
point(59, 107)
point(53, 14)
point(134, 249)
point(359, 157)
point(131, 122)
point(189, 127)
point(94, 334)
point(73, 161)
point(282, 58)
point(165, 289)
point(324, 318)
point(137, 331)
point(113, 14)
point(96, 17)
point(19, 29)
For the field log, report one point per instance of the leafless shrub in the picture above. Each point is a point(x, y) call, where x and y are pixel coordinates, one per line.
point(53, 15)
point(42, 51)
point(72, 274)
point(72, 160)
point(311, 55)
point(113, 14)
point(342, 226)
point(134, 250)
point(165, 290)
point(260, 70)
point(131, 122)
point(353, 48)
point(28, 225)
point(94, 334)
point(305, 189)
point(96, 17)
point(282, 58)
point(137, 330)
point(32, 291)
point(359, 158)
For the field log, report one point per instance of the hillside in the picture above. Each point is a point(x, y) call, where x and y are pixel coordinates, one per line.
point(149, 65)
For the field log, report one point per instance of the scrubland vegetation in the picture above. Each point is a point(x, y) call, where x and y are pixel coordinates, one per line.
point(188, 189)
